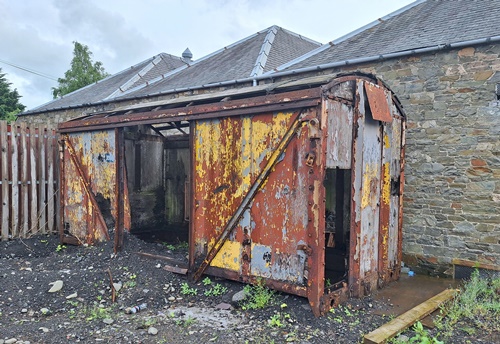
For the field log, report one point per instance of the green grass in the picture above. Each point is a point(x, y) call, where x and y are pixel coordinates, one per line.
point(476, 309)
point(258, 296)
point(187, 290)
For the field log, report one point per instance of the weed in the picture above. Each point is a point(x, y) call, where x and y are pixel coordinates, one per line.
point(60, 247)
point(206, 281)
point(186, 290)
point(96, 312)
point(149, 322)
point(216, 290)
point(186, 322)
point(179, 246)
point(328, 283)
point(130, 284)
point(258, 296)
point(275, 321)
point(477, 305)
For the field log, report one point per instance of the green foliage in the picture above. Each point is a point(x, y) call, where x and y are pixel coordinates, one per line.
point(421, 336)
point(96, 312)
point(60, 247)
point(187, 290)
point(477, 305)
point(179, 246)
point(9, 100)
point(83, 72)
point(258, 296)
point(216, 290)
point(206, 281)
point(275, 321)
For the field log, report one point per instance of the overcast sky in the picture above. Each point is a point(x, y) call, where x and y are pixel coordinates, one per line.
point(38, 34)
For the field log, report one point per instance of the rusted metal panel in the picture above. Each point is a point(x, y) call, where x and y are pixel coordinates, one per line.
point(339, 139)
point(262, 104)
point(354, 277)
point(377, 98)
point(90, 173)
point(265, 243)
point(370, 199)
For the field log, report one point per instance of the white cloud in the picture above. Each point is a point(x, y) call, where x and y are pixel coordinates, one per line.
point(38, 34)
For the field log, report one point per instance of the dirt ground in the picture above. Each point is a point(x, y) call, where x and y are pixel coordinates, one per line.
point(83, 310)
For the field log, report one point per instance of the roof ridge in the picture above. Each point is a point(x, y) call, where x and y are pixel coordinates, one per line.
point(177, 70)
point(345, 37)
point(140, 74)
point(261, 60)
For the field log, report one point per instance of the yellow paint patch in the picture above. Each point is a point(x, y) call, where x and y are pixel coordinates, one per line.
point(387, 143)
point(369, 174)
point(386, 188)
point(228, 256)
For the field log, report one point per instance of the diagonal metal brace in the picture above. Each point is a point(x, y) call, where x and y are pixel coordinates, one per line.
point(231, 224)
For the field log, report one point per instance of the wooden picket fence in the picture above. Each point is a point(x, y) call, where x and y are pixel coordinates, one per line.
point(28, 184)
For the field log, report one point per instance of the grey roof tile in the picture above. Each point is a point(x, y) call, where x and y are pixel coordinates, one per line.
point(237, 61)
point(422, 24)
point(112, 84)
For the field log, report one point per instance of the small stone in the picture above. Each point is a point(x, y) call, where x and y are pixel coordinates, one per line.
point(239, 296)
point(152, 331)
point(158, 266)
point(56, 286)
point(10, 341)
point(108, 321)
point(72, 296)
point(117, 286)
point(370, 305)
point(45, 311)
point(44, 329)
point(224, 306)
point(171, 298)
point(24, 310)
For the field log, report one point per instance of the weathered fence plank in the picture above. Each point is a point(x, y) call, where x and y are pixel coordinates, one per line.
point(24, 180)
point(5, 180)
point(15, 180)
point(28, 172)
point(33, 180)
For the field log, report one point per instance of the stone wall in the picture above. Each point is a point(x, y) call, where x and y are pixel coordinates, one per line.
point(452, 190)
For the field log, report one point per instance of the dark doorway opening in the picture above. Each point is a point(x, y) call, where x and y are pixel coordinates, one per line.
point(158, 173)
point(337, 225)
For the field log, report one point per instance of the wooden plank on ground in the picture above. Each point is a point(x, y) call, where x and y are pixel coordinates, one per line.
point(405, 320)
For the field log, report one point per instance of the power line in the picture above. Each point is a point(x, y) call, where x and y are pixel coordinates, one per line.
point(26, 69)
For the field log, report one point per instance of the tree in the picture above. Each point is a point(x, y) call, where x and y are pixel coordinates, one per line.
point(9, 100)
point(83, 72)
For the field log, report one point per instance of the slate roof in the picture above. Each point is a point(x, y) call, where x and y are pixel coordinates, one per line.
point(115, 84)
point(419, 25)
point(251, 56)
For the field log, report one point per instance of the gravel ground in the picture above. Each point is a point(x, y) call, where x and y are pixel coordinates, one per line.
point(83, 309)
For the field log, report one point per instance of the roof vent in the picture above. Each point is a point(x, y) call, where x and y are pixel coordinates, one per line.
point(187, 55)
